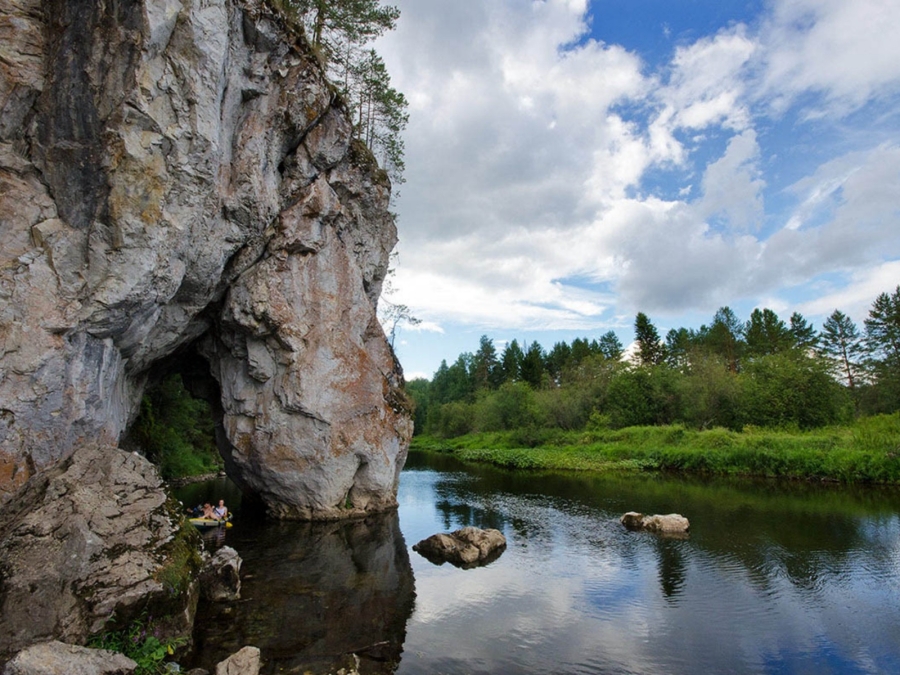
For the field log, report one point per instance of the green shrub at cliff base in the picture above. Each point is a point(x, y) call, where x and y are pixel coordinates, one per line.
point(138, 642)
point(176, 431)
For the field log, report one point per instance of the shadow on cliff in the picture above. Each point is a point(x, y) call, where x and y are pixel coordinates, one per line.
point(313, 595)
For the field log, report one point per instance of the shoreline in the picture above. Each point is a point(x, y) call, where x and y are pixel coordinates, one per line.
point(866, 452)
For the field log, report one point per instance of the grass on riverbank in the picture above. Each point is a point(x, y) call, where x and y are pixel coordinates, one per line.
point(866, 451)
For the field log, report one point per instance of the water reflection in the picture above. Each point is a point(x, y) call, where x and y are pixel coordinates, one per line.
point(313, 594)
point(775, 578)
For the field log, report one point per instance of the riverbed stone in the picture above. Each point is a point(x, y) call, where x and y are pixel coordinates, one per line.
point(58, 658)
point(244, 662)
point(220, 578)
point(466, 547)
point(670, 524)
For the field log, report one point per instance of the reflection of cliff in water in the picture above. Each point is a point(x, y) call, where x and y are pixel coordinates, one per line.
point(313, 594)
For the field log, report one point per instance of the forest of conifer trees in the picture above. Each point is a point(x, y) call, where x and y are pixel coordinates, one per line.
point(762, 372)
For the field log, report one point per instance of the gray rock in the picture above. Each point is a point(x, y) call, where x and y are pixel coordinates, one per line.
point(671, 524)
point(220, 578)
point(178, 177)
point(90, 539)
point(58, 658)
point(467, 547)
point(244, 662)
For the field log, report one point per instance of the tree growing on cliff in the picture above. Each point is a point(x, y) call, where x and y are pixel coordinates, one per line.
point(338, 31)
point(394, 315)
point(332, 24)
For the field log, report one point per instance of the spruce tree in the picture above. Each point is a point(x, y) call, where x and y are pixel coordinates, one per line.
point(650, 348)
point(766, 334)
point(610, 346)
point(804, 335)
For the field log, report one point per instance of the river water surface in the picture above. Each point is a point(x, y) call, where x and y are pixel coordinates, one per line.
point(774, 578)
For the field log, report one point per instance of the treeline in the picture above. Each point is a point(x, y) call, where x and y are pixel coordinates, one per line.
point(763, 372)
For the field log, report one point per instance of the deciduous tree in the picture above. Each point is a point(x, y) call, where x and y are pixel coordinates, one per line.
point(725, 337)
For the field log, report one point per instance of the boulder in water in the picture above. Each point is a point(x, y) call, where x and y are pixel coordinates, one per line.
point(244, 662)
point(467, 547)
point(671, 524)
point(220, 579)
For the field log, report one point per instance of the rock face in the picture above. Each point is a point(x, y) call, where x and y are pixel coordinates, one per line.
point(91, 539)
point(467, 547)
point(57, 658)
point(178, 180)
point(671, 524)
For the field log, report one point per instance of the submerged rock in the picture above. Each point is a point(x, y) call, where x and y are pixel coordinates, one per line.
point(58, 658)
point(467, 547)
point(671, 524)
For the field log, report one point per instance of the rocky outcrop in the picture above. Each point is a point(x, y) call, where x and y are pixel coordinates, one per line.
point(466, 547)
point(244, 662)
point(91, 540)
point(58, 658)
point(220, 578)
point(671, 524)
point(177, 178)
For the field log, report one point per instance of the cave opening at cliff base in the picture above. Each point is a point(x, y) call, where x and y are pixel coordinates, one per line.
point(179, 424)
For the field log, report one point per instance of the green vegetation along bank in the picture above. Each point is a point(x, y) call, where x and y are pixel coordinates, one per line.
point(865, 451)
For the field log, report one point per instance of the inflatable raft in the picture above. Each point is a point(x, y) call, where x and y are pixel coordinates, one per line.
point(206, 523)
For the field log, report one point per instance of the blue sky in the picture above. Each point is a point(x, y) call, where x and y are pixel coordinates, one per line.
point(570, 163)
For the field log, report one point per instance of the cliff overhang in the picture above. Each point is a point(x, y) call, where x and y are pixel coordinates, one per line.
point(179, 178)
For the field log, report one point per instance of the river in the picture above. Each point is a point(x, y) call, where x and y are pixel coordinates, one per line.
point(774, 578)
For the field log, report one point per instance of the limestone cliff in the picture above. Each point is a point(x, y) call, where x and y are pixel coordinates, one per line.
point(178, 179)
